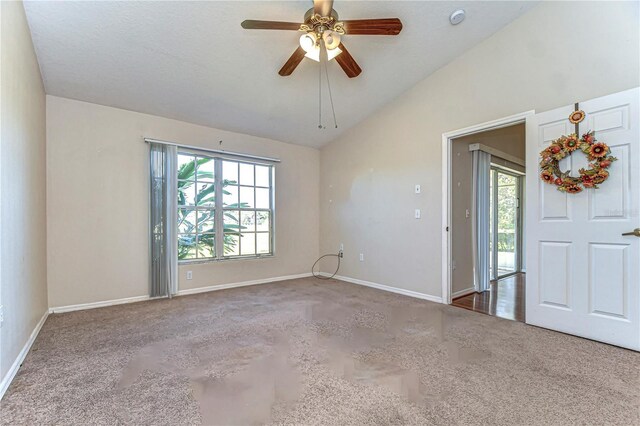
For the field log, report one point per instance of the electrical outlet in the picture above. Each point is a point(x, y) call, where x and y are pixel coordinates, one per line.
point(189, 275)
point(418, 213)
point(361, 257)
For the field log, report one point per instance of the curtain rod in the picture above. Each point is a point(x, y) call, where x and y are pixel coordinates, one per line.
point(496, 153)
point(214, 151)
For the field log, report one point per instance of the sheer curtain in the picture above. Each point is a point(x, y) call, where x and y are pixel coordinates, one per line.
point(481, 171)
point(163, 220)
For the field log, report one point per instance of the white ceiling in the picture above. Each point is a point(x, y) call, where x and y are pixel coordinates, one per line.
point(193, 62)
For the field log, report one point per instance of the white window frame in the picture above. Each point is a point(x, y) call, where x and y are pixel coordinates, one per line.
point(219, 208)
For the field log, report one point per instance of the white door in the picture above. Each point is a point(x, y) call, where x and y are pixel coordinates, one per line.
point(583, 275)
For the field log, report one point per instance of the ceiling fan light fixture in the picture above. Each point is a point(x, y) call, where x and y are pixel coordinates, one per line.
point(331, 39)
point(333, 53)
point(309, 42)
point(314, 54)
point(311, 45)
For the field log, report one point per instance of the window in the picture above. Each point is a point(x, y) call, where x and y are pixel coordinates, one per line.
point(237, 224)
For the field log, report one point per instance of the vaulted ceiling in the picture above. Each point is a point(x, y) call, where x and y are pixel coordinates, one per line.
point(192, 61)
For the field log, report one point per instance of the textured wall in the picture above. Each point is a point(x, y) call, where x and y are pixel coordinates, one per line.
point(98, 192)
point(23, 292)
point(540, 61)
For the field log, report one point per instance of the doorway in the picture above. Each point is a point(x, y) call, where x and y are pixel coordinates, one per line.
point(502, 293)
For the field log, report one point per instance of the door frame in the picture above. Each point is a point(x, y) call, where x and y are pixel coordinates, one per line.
point(446, 186)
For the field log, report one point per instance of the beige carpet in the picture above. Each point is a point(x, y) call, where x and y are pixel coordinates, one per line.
point(314, 352)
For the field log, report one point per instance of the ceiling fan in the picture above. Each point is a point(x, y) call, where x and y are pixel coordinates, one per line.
point(322, 33)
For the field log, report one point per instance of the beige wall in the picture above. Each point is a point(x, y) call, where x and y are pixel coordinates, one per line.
point(509, 140)
point(540, 61)
point(97, 171)
point(23, 290)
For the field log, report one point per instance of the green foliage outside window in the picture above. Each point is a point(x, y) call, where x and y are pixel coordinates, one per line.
point(202, 224)
point(507, 212)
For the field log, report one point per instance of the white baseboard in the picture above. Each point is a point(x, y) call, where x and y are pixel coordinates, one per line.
point(402, 291)
point(93, 305)
point(8, 378)
point(240, 284)
point(464, 292)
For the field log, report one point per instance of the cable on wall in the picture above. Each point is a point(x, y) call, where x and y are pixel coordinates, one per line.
point(321, 277)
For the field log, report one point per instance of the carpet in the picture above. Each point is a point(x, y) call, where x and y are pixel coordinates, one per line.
point(308, 351)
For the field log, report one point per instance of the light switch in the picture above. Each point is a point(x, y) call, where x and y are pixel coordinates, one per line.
point(417, 213)
point(418, 189)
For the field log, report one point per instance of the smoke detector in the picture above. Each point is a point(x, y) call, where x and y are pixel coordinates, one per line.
point(457, 17)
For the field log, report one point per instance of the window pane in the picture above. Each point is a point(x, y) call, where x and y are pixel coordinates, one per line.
point(263, 241)
point(262, 221)
point(206, 246)
point(231, 245)
point(205, 169)
point(507, 217)
point(245, 189)
point(186, 246)
point(248, 221)
point(246, 174)
point(230, 196)
point(262, 198)
point(248, 243)
point(186, 221)
point(262, 175)
point(205, 195)
point(231, 221)
point(186, 193)
point(230, 172)
point(246, 197)
point(206, 221)
point(186, 167)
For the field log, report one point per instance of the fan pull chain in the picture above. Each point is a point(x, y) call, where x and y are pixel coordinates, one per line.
point(326, 72)
point(320, 89)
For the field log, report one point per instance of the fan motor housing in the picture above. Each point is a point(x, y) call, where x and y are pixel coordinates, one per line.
point(309, 14)
point(320, 24)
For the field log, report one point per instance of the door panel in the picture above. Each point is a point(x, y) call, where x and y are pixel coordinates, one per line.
point(555, 274)
point(612, 204)
point(583, 275)
point(554, 204)
point(608, 292)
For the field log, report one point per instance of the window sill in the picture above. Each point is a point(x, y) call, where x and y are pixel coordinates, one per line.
point(224, 259)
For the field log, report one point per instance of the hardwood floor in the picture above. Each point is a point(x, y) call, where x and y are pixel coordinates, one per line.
point(505, 299)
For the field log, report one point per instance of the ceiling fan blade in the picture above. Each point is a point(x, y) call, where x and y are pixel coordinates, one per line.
point(250, 24)
point(347, 63)
point(292, 62)
point(387, 26)
point(322, 7)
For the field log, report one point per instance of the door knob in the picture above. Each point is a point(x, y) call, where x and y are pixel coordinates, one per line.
point(635, 232)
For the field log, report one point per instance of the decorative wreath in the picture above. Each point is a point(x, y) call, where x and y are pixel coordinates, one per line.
point(598, 154)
